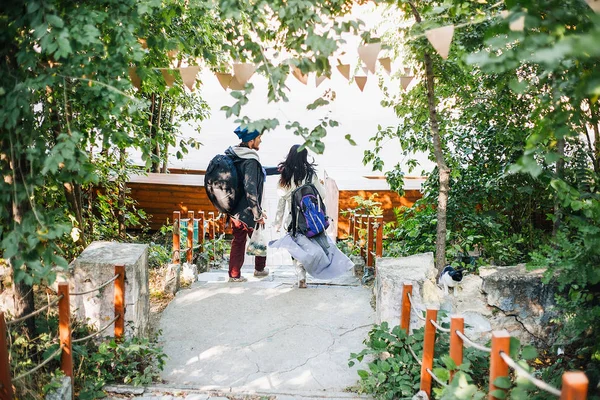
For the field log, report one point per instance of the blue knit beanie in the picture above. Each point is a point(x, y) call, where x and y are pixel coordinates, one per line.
point(244, 135)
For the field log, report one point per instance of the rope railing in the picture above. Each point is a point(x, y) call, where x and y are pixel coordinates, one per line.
point(539, 383)
point(412, 306)
point(114, 278)
point(411, 351)
point(574, 385)
point(435, 378)
point(34, 313)
point(83, 339)
point(40, 365)
point(471, 343)
point(439, 327)
point(64, 331)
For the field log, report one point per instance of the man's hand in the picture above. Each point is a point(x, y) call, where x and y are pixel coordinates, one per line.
point(261, 221)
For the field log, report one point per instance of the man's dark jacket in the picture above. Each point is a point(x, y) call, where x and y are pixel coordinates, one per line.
point(248, 210)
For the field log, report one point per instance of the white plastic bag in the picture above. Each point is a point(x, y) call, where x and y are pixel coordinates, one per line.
point(257, 246)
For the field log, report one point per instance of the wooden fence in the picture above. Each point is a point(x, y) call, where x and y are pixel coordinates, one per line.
point(195, 232)
point(574, 384)
point(64, 331)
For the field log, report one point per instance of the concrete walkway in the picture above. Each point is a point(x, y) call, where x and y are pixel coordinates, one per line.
point(266, 336)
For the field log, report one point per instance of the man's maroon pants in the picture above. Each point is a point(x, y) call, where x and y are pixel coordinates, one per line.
point(241, 232)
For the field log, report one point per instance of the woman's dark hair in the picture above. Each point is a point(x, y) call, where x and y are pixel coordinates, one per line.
point(295, 168)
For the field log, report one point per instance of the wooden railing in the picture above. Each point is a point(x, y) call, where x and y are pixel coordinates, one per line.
point(366, 233)
point(196, 233)
point(574, 384)
point(64, 331)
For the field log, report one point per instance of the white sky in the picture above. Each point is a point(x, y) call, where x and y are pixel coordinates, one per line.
point(358, 113)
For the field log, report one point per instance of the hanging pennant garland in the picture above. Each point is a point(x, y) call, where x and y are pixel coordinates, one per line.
point(243, 72)
point(188, 74)
point(235, 84)
point(319, 80)
point(361, 81)
point(299, 75)
point(440, 39)
point(169, 78)
point(368, 54)
point(405, 81)
point(344, 70)
point(406, 71)
point(594, 5)
point(136, 81)
point(386, 63)
point(224, 79)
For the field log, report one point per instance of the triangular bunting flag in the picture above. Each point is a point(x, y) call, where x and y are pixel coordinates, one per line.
point(344, 70)
point(518, 24)
point(440, 39)
point(386, 63)
point(594, 5)
point(405, 81)
point(360, 82)
point(172, 53)
point(368, 54)
point(224, 79)
point(135, 79)
point(406, 71)
point(299, 75)
point(319, 80)
point(169, 77)
point(235, 84)
point(243, 72)
point(188, 75)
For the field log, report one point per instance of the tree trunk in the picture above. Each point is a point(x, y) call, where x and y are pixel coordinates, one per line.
point(22, 292)
point(440, 243)
point(121, 188)
point(560, 169)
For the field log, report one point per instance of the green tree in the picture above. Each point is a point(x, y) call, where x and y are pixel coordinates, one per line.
point(69, 112)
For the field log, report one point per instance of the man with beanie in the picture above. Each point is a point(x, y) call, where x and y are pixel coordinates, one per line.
point(248, 213)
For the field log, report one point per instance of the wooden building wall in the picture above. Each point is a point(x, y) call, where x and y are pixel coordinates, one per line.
point(161, 194)
point(388, 199)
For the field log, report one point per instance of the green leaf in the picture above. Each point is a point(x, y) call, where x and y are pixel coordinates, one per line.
point(55, 21)
point(503, 382)
point(499, 394)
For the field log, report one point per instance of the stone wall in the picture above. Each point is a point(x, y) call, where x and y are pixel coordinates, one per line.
point(510, 298)
point(96, 265)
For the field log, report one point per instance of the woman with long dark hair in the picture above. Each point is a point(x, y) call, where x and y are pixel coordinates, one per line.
point(295, 171)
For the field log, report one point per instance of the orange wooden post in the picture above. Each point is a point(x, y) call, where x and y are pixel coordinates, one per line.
point(190, 237)
point(64, 330)
point(405, 313)
point(428, 350)
point(379, 236)
point(457, 323)
point(6, 392)
point(498, 368)
point(574, 386)
point(211, 225)
point(120, 301)
point(361, 237)
point(370, 241)
point(176, 245)
point(201, 232)
point(211, 233)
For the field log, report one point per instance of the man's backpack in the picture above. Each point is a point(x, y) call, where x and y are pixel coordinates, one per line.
point(309, 216)
point(222, 183)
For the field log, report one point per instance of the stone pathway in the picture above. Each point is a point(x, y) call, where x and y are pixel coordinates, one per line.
point(263, 339)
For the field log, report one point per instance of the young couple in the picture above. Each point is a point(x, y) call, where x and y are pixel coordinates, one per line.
point(248, 214)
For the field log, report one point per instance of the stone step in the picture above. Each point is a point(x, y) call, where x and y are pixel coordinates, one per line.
point(169, 392)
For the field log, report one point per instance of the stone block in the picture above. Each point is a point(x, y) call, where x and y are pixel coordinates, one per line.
point(522, 296)
point(96, 265)
point(392, 274)
point(63, 392)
